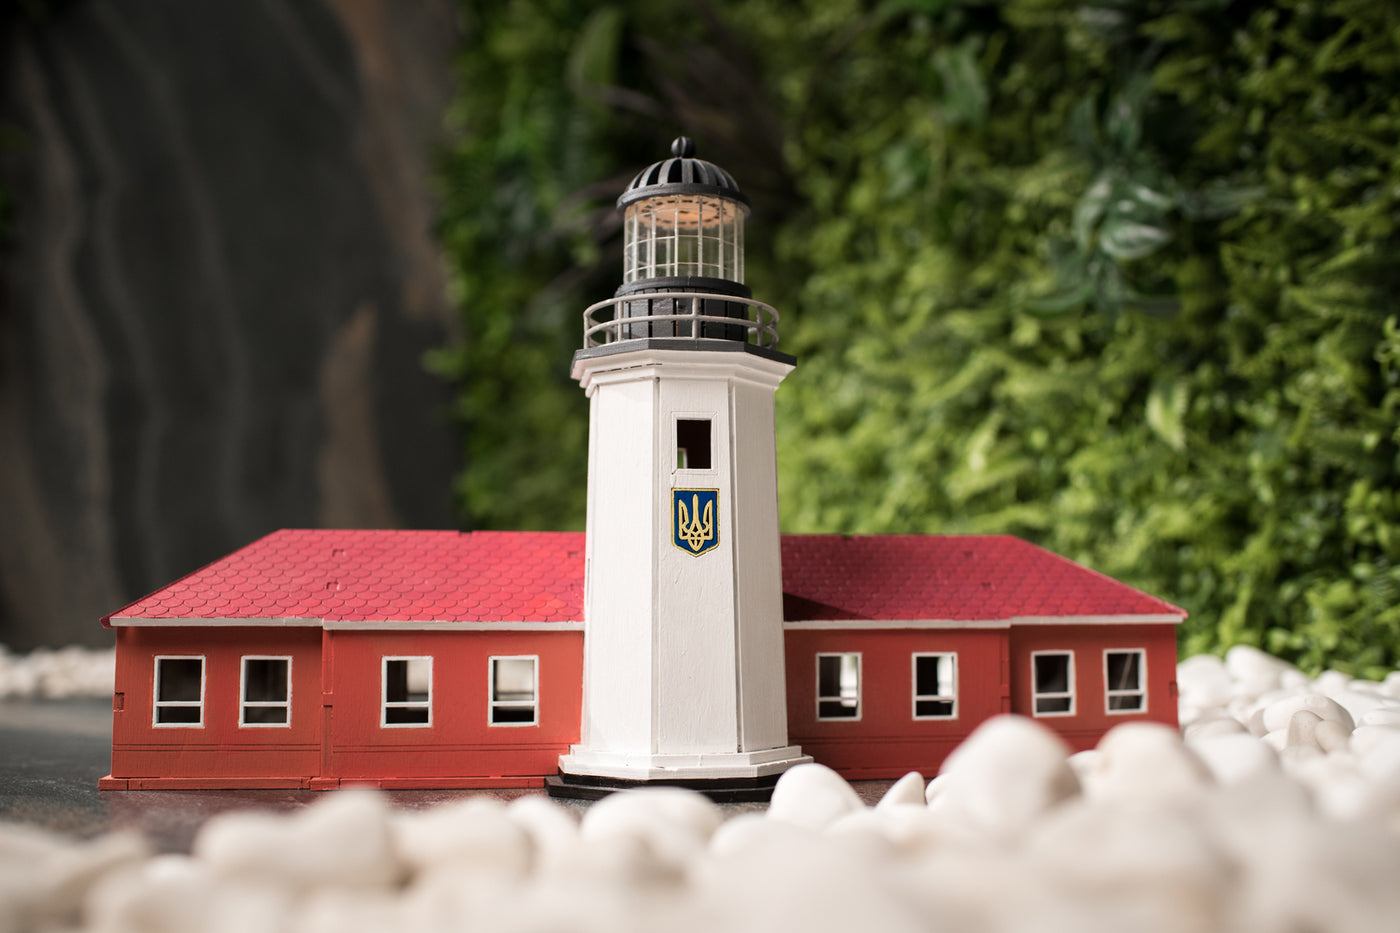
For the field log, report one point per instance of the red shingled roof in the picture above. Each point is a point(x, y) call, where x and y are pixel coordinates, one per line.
point(496, 576)
point(376, 576)
point(955, 577)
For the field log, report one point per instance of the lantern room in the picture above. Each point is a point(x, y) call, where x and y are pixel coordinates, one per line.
point(683, 259)
point(683, 219)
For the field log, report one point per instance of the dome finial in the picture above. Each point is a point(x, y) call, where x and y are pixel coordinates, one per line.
point(683, 147)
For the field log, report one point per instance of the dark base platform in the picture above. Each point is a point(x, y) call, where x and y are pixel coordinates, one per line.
point(720, 790)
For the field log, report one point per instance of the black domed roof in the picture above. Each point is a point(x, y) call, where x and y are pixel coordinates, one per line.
point(683, 174)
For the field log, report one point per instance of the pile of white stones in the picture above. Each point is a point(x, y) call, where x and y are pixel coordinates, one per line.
point(57, 673)
point(1277, 808)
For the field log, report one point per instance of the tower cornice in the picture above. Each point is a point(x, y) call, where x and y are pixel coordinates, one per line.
point(629, 363)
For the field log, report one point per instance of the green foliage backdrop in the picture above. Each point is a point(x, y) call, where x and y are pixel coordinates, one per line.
point(1118, 277)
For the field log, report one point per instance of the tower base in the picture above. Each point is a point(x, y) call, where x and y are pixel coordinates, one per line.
point(720, 790)
point(734, 776)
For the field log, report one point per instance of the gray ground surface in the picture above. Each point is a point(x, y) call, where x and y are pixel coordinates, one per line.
point(53, 751)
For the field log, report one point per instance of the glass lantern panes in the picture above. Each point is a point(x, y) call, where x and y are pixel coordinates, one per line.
point(683, 235)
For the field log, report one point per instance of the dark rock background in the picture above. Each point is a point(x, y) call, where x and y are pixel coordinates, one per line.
point(216, 286)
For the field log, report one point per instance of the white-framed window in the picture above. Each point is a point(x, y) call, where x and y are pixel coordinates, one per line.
point(178, 691)
point(1052, 683)
point(515, 690)
point(265, 692)
point(407, 692)
point(1125, 680)
point(936, 685)
point(838, 686)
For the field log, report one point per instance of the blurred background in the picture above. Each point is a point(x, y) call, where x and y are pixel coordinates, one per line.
point(1117, 276)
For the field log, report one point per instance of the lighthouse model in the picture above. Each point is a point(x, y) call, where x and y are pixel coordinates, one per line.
point(682, 640)
point(683, 631)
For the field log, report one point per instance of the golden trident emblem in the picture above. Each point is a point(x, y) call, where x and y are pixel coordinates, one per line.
point(694, 527)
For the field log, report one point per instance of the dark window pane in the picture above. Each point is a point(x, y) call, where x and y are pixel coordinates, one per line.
point(504, 714)
point(829, 676)
point(693, 444)
point(932, 675)
point(184, 715)
point(836, 709)
point(1052, 704)
point(933, 708)
point(395, 681)
point(265, 680)
point(1126, 703)
point(407, 680)
point(179, 680)
point(1123, 673)
point(265, 715)
point(1052, 673)
point(405, 715)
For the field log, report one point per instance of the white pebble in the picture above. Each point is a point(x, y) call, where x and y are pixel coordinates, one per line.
point(1256, 673)
point(553, 832)
point(342, 840)
point(1301, 731)
point(1233, 758)
point(1145, 760)
point(907, 790)
point(1366, 737)
point(786, 877)
point(812, 796)
point(1384, 716)
point(742, 831)
point(1378, 757)
point(911, 829)
point(175, 894)
point(1217, 725)
point(1007, 774)
point(1278, 714)
point(1178, 881)
point(44, 878)
point(1204, 684)
point(675, 823)
point(474, 834)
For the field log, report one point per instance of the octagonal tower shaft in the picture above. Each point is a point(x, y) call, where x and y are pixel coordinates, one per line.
point(683, 651)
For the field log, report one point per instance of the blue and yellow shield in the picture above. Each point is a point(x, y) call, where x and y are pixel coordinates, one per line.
point(695, 519)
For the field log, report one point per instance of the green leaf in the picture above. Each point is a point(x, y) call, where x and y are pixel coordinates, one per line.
point(1166, 408)
point(1125, 240)
point(965, 95)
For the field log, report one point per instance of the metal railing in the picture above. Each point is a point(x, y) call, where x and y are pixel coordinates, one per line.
point(681, 314)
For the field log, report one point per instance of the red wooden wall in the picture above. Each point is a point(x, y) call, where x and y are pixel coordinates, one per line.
point(219, 753)
point(460, 743)
point(887, 742)
point(1088, 642)
point(335, 735)
point(994, 676)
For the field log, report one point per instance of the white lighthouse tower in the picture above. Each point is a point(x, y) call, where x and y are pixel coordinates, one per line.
point(683, 644)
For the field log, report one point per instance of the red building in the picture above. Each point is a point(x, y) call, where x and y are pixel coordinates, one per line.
point(414, 659)
point(682, 640)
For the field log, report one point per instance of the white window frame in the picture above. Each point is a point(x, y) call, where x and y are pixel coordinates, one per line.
point(385, 704)
point(1055, 695)
point(157, 704)
point(860, 687)
point(493, 704)
point(1140, 691)
point(951, 697)
point(244, 703)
